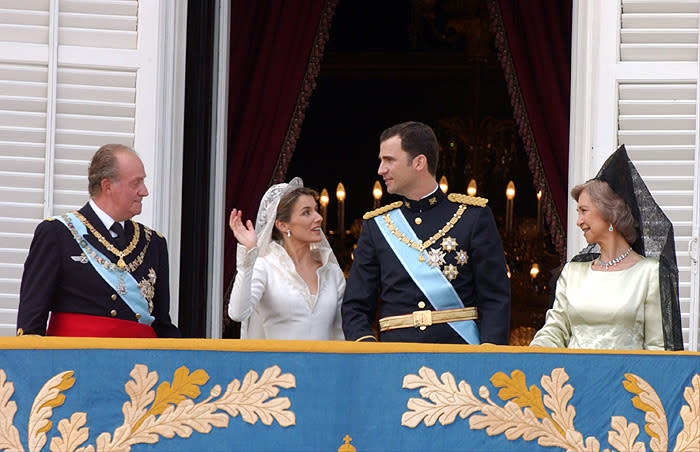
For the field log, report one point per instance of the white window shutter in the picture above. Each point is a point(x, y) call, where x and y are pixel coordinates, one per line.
point(69, 72)
point(658, 123)
point(24, 37)
point(660, 138)
point(644, 92)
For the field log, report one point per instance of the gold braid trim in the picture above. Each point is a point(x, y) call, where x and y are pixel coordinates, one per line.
point(466, 199)
point(382, 210)
point(420, 245)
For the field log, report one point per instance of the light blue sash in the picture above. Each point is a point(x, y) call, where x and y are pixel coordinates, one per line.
point(430, 280)
point(115, 278)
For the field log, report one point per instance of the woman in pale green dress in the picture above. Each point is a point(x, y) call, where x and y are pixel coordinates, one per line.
point(613, 295)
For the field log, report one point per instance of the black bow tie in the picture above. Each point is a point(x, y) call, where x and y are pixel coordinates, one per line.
point(120, 239)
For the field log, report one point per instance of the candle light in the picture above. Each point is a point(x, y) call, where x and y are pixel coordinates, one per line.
point(471, 188)
point(377, 194)
point(539, 212)
point(443, 184)
point(510, 194)
point(534, 271)
point(340, 195)
point(323, 200)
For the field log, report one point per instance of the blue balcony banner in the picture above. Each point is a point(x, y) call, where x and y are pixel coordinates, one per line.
point(86, 395)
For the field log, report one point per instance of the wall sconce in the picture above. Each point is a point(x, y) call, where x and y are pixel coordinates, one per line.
point(510, 194)
point(323, 200)
point(377, 194)
point(510, 190)
point(471, 188)
point(443, 184)
point(340, 195)
point(539, 212)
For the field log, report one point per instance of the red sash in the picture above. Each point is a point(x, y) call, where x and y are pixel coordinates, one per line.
point(82, 325)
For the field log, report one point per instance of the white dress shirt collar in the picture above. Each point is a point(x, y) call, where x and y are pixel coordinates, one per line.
point(434, 190)
point(104, 217)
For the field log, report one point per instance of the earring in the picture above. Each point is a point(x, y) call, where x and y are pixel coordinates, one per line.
point(289, 234)
point(609, 229)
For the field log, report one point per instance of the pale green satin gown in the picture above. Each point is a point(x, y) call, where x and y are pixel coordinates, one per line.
point(617, 310)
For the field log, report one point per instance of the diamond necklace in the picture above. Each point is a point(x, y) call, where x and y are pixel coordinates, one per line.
point(615, 261)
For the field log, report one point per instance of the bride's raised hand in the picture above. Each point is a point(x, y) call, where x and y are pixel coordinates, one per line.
point(244, 233)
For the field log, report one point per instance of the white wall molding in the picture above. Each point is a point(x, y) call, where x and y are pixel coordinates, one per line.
point(218, 218)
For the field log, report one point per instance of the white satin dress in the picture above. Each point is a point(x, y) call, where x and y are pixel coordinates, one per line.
point(272, 301)
point(617, 310)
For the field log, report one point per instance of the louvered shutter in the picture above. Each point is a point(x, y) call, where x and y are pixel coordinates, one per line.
point(69, 75)
point(653, 78)
point(658, 122)
point(24, 37)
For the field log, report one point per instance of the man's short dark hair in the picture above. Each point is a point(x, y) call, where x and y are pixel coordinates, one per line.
point(104, 166)
point(416, 138)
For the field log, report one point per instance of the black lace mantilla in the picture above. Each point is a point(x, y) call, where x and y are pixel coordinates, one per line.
point(655, 238)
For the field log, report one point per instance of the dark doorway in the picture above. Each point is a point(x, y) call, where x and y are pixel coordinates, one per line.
point(430, 61)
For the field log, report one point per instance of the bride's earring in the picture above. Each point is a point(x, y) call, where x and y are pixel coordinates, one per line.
point(609, 229)
point(289, 234)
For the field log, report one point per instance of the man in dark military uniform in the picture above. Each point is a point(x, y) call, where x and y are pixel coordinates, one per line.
point(435, 261)
point(95, 270)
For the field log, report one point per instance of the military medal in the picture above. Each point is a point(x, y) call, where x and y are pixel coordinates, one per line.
point(121, 288)
point(449, 244)
point(450, 272)
point(436, 258)
point(461, 257)
point(148, 289)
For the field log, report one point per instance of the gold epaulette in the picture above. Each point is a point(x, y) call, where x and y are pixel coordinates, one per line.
point(466, 199)
point(381, 210)
point(149, 230)
point(49, 219)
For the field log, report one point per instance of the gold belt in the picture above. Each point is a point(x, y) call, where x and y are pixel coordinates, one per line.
point(418, 319)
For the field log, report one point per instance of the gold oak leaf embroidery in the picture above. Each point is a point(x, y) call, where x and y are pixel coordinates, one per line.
point(690, 413)
point(516, 388)
point(67, 382)
point(173, 410)
point(648, 401)
point(443, 402)
point(185, 385)
point(48, 398)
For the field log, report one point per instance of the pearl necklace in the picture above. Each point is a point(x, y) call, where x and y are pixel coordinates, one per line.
point(615, 261)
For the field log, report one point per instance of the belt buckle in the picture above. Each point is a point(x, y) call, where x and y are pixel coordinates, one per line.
point(422, 318)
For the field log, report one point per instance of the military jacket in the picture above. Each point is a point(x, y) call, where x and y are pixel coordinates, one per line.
point(58, 278)
point(481, 279)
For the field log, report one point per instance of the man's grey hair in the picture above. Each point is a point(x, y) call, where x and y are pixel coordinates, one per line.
point(104, 166)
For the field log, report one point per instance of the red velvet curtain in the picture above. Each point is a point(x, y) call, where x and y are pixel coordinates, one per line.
point(276, 48)
point(534, 46)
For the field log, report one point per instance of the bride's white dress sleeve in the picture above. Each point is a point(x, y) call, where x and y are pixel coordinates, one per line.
point(337, 327)
point(249, 285)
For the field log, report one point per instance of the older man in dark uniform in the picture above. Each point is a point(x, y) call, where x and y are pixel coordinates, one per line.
point(435, 261)
point(96, 271)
